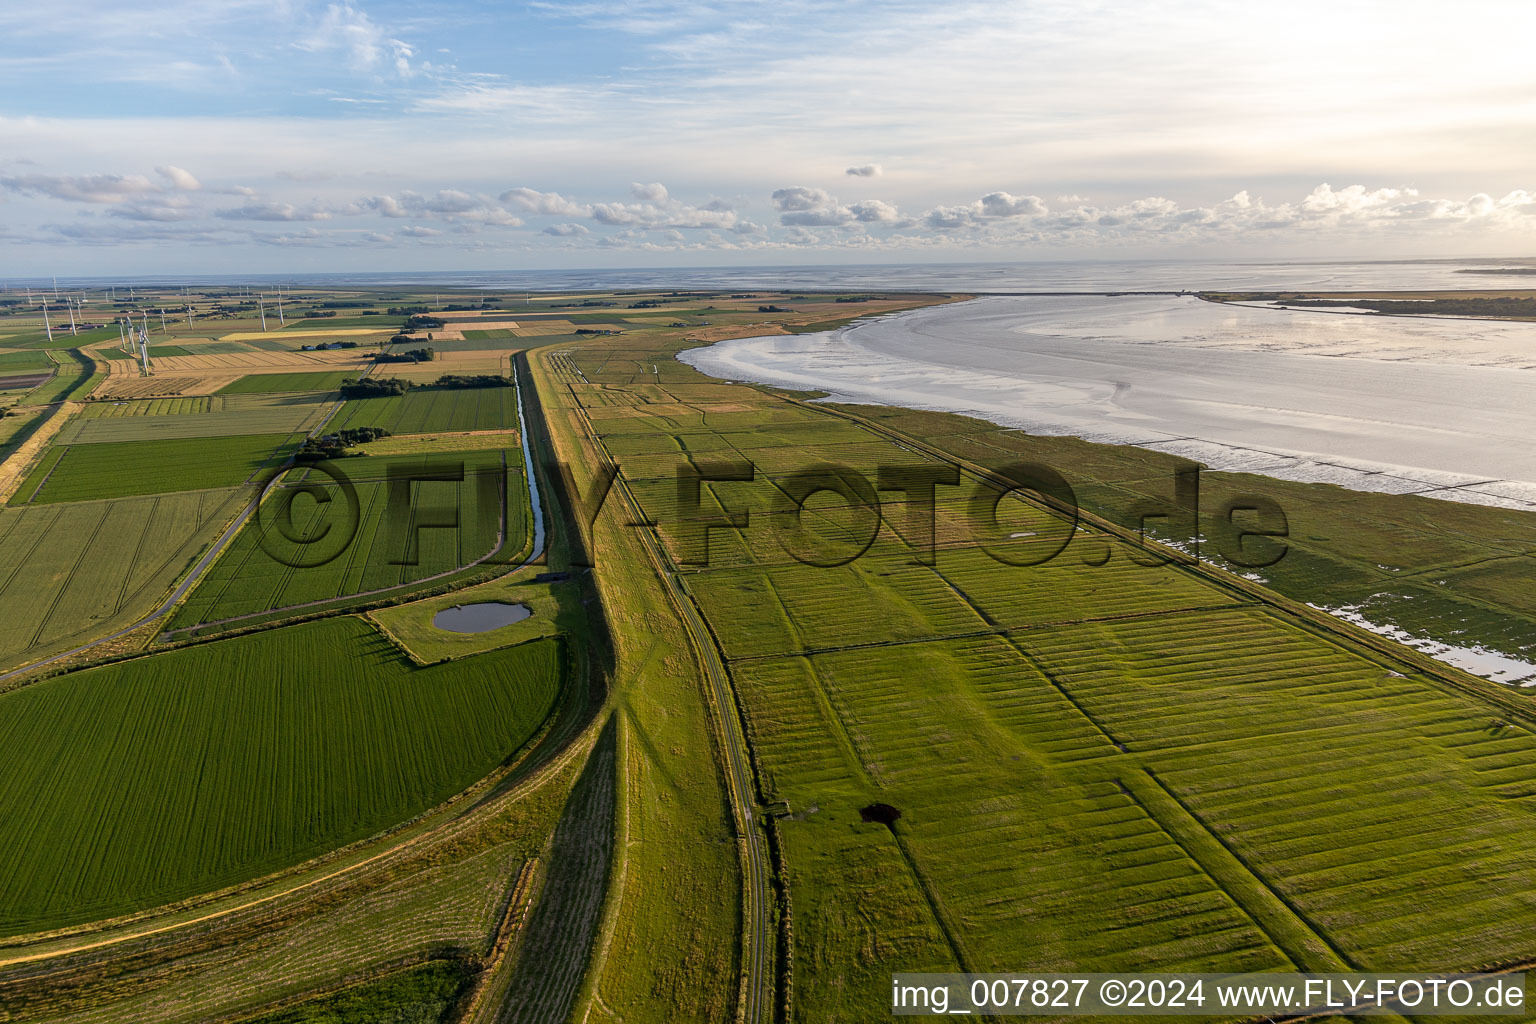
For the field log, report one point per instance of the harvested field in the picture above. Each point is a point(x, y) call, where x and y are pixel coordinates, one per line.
point(249, 362)
point(480, 325)
point(449, 361)
point(429, 444)
point(306, 332)
point(124, 383)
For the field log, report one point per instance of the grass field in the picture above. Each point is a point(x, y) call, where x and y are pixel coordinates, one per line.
point(555, 606)
point(423, 995)
point(84, 472)
point(37, 338)
point(391, 541)
point(67, 570)
point(21, 362)
point(261, 383)
point(305, 738)
point(432, 411)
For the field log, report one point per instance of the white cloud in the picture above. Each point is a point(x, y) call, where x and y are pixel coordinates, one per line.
point(343, 28)
point(865, 171)
point(655, 192)
point(93, 188)
point(1001, 204)
point(873, 211)
point(565, 230)
point(272, 212)
point(179, 178)
point(551, 203)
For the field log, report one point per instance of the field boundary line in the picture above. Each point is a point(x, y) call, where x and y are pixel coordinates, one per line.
point(1343, 962)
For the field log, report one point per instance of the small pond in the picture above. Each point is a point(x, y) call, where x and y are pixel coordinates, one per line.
point(480, 618)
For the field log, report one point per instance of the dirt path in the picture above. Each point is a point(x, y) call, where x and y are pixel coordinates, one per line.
point(14, 470)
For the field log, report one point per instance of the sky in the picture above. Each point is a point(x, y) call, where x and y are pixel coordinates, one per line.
point(264, 136)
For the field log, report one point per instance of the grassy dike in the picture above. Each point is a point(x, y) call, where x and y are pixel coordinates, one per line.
point(668, 943)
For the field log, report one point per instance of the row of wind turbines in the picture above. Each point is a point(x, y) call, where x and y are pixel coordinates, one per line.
point(135, 339)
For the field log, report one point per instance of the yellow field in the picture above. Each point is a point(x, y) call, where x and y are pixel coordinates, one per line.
point(337, 333)
point(458, 441)
point(467, 361)
point(480, 325)
point(240, 363)
point(128, 384)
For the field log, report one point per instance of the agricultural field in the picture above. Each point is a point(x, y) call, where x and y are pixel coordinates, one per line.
point(218, 416)
point(264, 383)
point(391, 536)
point(67, 570)
point(450, 357)
point(113, 469)
point(149, 407)
point(121, 385)
point(433, 444)
point(432, 411)
point(308, 737)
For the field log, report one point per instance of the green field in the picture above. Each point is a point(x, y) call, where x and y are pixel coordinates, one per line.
point(432, 410)
point(303, 739)
point(22, 362)
point(68, 570)
point(72, 379)
point(84, 472)
point(212, 416)
point(38, 338)
point(148, 407)
point(262, 383)
point(262, 571)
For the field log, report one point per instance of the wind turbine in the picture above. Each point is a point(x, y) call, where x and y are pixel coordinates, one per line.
point(163, 329)
point(280, 321)
point(46, 325)
point(69, 305)
point(263, 307)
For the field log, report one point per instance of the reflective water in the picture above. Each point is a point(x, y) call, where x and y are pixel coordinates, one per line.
point(480, 618)
point(1405, 405)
